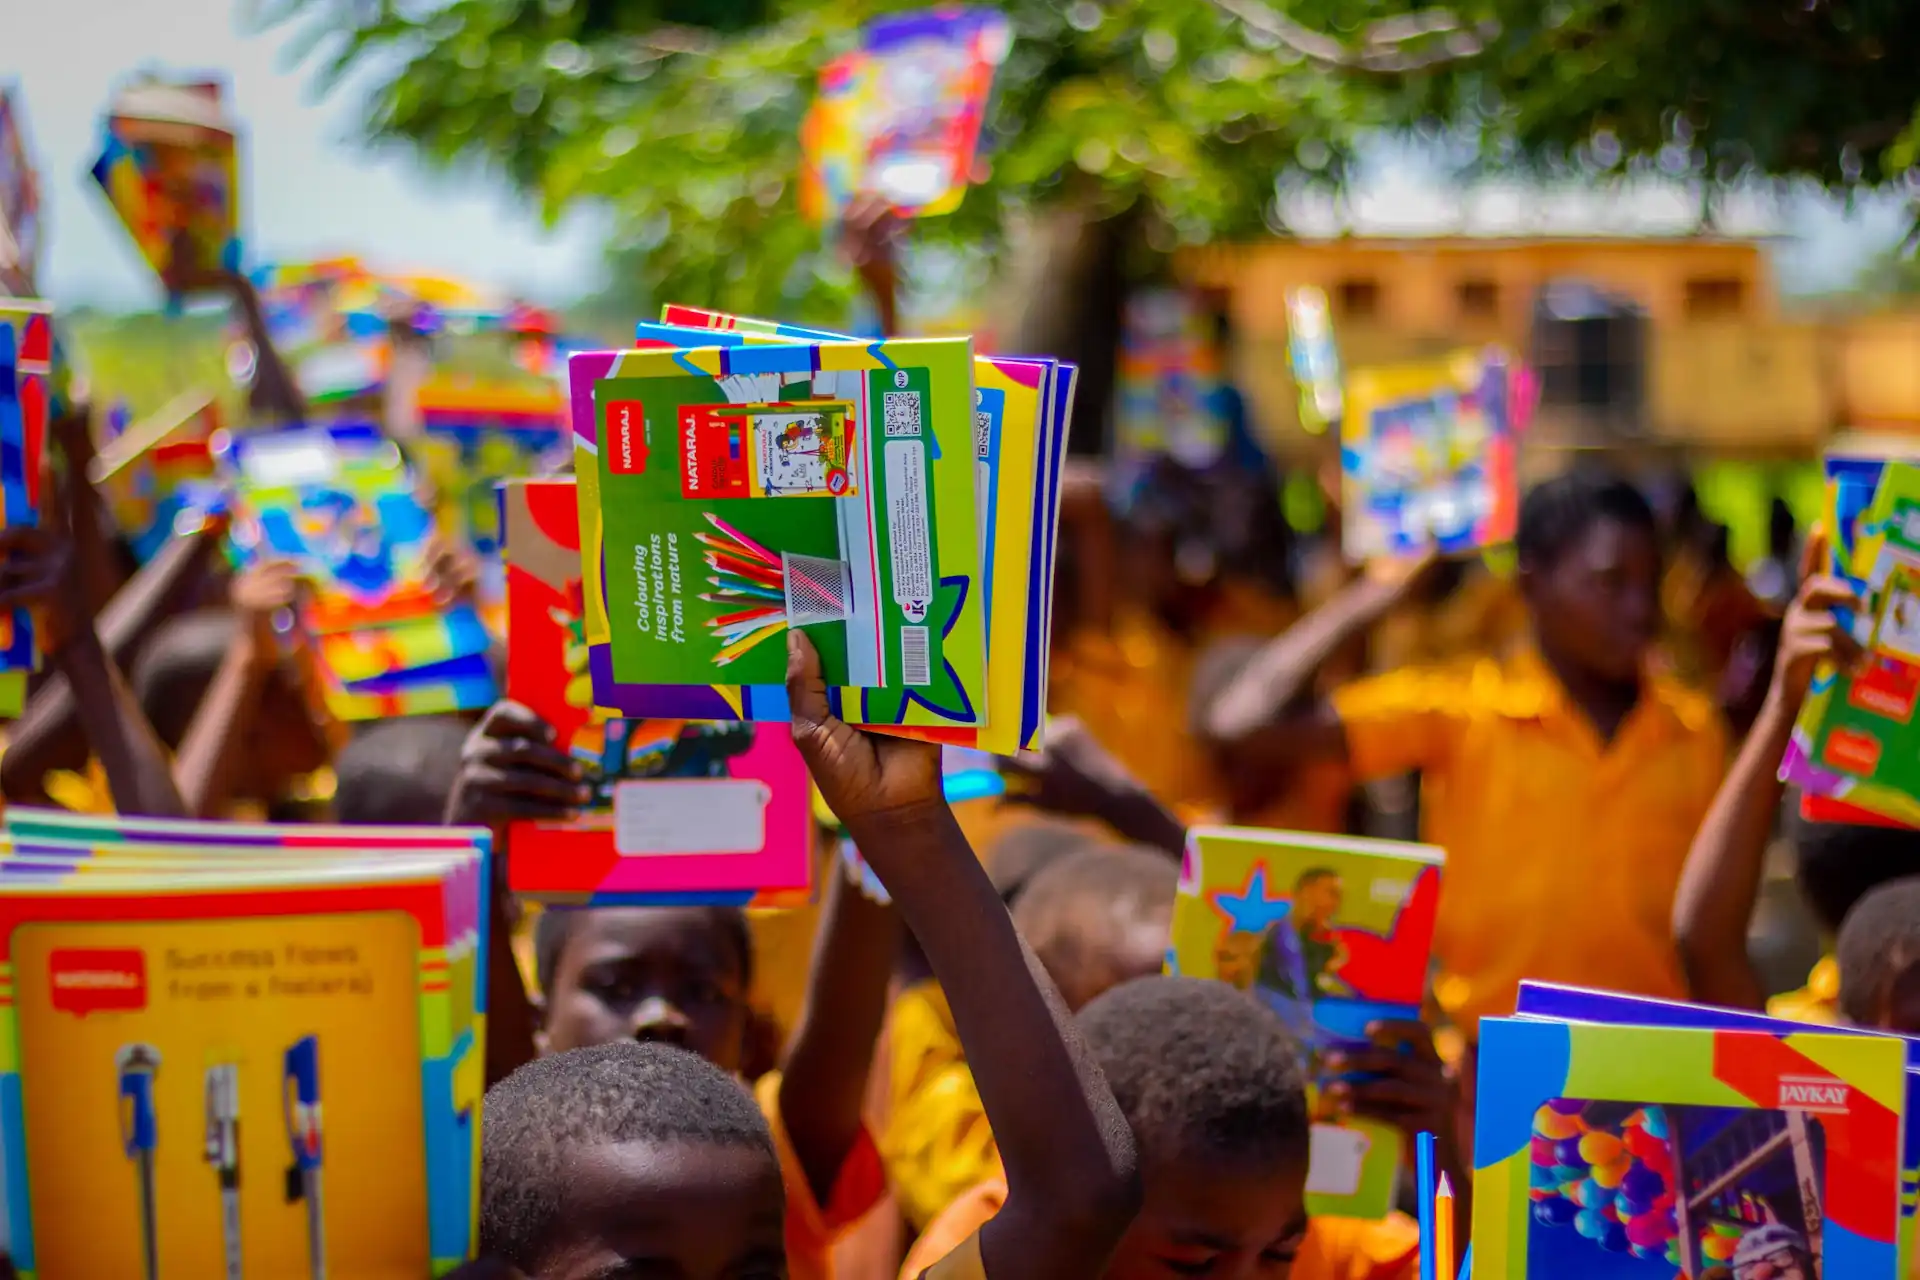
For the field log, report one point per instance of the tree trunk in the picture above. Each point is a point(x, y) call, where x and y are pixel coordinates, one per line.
point(1069, 275)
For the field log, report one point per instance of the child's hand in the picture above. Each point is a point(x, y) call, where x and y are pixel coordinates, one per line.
point(870, 238)
point(1409, 1089)
point(1811, 634)
point(860, 775)
point(453, 571)
point(260, 592)
point(512, 770)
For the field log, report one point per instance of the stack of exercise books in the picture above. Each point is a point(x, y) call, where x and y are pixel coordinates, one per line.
point(1855, 753)
point(896, 500)
point(230, 1049)
point(342, 504)
point(1619, 1136)
point(29, 392)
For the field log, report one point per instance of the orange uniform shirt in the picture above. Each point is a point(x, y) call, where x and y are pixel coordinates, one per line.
point(1563, 852)
point(937, 1141)
point(1334, 1248)
point(812, 1227)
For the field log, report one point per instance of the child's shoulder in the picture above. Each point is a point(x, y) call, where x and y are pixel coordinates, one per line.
point(1359, 1249)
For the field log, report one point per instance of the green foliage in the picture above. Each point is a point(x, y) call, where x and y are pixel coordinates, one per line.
point(683, 119)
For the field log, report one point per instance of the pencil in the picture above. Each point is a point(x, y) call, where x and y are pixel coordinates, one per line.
point(747, 544)
point(735, 562)
point(733, 583)
point(754, 614)
point(1423, 1196)
point(739, 647)
point(739, 565)
point(1443, 1228)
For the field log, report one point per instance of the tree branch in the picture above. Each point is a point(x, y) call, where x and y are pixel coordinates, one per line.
point(1384, 45)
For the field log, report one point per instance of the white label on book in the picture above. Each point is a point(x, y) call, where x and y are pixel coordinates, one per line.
point(1335, 1158)
point(690, 815)
point(909, 537)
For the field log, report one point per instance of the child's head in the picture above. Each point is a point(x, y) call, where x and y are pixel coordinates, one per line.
point(678, 975)
point(1098, 917)
point(625, 1158)
point(1212, 1084)
point(1589, 557)
point(399, 771)
point(1836, 864)
point(1879, 957)
point(171, 679)
point(1024, 851)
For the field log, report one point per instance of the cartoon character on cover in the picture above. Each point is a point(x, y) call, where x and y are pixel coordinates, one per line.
point(1301, 952)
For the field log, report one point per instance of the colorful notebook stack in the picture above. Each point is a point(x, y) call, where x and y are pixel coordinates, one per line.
point(169, 164)
point(1855, 745)
point(1334, 934)
point(230, 1049)
point(1169, 383)
point(478, 432)
point(683, 811)
point(900, 116)
point(19, 201)
point(343, 505)
point(1429, 455)
point(30, 392)
point(1626, 1138)
point(897, 500)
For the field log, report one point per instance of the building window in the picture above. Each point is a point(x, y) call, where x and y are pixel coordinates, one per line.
point(1478, 299)
point(1713, 297)
point(1358, 299)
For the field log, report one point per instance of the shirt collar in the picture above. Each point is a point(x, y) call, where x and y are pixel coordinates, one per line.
point(1531, 691)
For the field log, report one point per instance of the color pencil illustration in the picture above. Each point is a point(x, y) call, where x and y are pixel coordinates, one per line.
point(223, 1153)
point(300, 1096)
point(138, 1064)
point(797, 591)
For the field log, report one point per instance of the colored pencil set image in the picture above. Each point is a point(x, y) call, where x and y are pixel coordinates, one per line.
point(768, 593)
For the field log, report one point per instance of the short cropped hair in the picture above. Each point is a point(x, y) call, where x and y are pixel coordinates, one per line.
point(1557, 513)
point(1024, 851)
point(1838, 863)
point(555, 927)
point(1202, 1071)
point(1076, 907)
point(540, 1119)
point(1880, 938)
point(399, 771)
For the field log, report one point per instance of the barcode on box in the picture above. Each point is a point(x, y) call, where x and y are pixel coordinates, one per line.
point(900, 413)
point(916, 657)
point(982, 434)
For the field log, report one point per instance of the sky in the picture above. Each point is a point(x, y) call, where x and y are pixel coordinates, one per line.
point(311, 190)
point(314, 191)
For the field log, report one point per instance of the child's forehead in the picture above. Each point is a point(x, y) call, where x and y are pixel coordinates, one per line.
point(681, 1198)
point(697, 934)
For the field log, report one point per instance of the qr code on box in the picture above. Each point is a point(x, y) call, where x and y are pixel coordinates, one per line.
point(900, 413)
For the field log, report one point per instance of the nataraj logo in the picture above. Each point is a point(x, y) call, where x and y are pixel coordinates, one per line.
point(98, 981)
point(1813, 1093)
point(626, 437)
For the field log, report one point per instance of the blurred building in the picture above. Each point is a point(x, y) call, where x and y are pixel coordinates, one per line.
point(1651, 335)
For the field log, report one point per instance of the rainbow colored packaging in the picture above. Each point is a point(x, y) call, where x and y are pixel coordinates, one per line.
point(900, 116)
point(169, 164)
point(241, 1059)
point(1658, 1152)
point(1335, 935)
point(683, 811)
point(1429, 457)
point(28, 392)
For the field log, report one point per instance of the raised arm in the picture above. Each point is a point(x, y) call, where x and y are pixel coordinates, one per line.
point(1072, 1177)
point(138, 772)
point(210, 752)
point(1255, 712)
point(1721, 882)
point(823, 1082)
